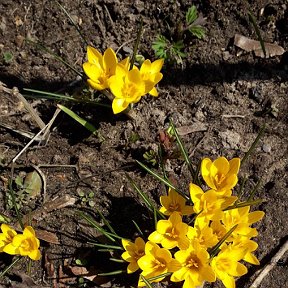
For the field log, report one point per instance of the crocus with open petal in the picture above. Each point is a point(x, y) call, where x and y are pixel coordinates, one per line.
point(226, 265)
point(26, 244)
point(127, 86)
point(174, 202)
point(209, 204)
point(195, 266)
point(100, 68)
point(134, 251)
point(171, 233)
point(155, 262)
point(221, 174)
point(6, 236)
point(150, 73)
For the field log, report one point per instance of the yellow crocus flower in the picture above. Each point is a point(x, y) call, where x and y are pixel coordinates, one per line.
point(127, 86)
point(221, 174)
point(6, 236)
point(155, 262)
point(26, 244)
point(174, 202)
point(100, 68)
point(171, 233)
point(134, 251)
point(195, 266)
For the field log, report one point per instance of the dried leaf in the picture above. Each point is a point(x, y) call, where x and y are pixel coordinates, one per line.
point(33, 184)
point(249, 45)
point(195, 127)
point(47, 236)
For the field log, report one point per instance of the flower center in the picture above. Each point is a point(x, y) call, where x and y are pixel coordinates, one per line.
point(26, 245)
point(172, 233)
point(219, 178)
point(174, 207)
point(158, 264)
point(193, 263)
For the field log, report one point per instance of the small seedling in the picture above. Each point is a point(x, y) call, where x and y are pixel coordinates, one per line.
point(86, 198)
point(151, 157)
point(8, 57)
point(174, 50)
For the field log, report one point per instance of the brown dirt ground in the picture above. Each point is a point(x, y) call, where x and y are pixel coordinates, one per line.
point(229, 94)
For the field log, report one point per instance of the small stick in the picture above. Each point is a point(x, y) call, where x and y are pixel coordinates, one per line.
point(29, 108)
point(270, 265)
point(232, 116)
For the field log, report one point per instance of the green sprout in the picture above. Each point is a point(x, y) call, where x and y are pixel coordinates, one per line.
point(86, 198)
point(8, 57)
point(174, 50)
point(151, 157)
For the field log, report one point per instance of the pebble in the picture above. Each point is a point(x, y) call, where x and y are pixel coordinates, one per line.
point(266, 148)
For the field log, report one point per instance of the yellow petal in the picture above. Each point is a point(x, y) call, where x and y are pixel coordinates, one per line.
point(92, 71)
point(195, 193)
point(251, 258)
point(11, 249)
point(222, 166)
point(153, 92)
point(93, 55)
point(255, 216)
point(229, 281)
point(109, 61)
point(155, 237)
point(163, 226)
point(34, 255)
point(156, 66)
point(29, 232)
point(119, 105)
point(132, 267)
point(234, 165)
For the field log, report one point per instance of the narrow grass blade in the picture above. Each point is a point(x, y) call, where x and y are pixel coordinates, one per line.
point(253, 21)
point(252, 193)
point(56, 96)
point(138, 228)
point(10, 266)
point(117, 272)
point(183, 150)
point(159, 276)
point(215, 249)
point(144, 197)
point(117, 260)
point(106, 246)
point(241, 190)
point(41, 47)
point(106, 222)
point(147, 283)
point(74, 24)
point(136, 46)
point(164, 181)
point(252, 147)
point(80, 120)
point(94, 224)
point(155, 218)
point(244, 204)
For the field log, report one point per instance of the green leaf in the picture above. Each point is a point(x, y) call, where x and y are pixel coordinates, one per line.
point(19, 181)
point(33, 184)
point(77, 118)
point(197, 31)
point(8, 57)
point(191, 14)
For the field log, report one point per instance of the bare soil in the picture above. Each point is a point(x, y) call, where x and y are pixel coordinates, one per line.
point(220, 97)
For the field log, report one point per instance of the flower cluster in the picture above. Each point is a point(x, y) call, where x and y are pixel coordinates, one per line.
point(25, 244)
point(210, 249)
point(127, 85)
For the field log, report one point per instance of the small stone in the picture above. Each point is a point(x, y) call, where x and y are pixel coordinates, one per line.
point(266, 148)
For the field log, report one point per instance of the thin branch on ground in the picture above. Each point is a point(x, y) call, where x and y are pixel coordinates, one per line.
point(270, 265)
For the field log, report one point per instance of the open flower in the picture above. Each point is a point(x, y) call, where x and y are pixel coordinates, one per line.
point(202, 233)
point(209, 205)
point(134, 251)
point(150, 73)
point(100, 68)
point(174, 202)
point(226, 265)
point(243, 219)
point(155, 262)
point(6, 236)
point(171, 233)
point(25, 244)
point(220, 175)
point(195, 266)
point(127, 86)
